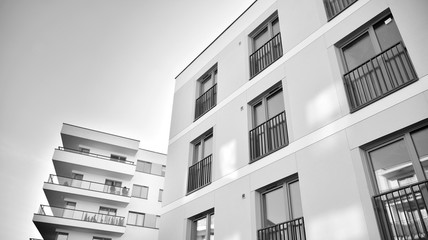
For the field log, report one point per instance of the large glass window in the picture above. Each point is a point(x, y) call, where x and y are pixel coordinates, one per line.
point(269, 131)
point(399, 170)
point(281, 211)
point(200, 168)
point(375, 62)
point(266, 45)
point(151, 168)
point(206, 92)
point(203, 227)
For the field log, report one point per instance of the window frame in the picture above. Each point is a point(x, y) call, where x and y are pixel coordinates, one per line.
point(406, 135)
point(142, 163)
point(213, 73)
point(61, 233)
point(283, 184)
point(100, 238)
point(108, 210)
point(265, 24)
point(116, 157)
point(198, 156)
point(141, 187)
point(193, 224)
point(160, 195)
point(144, 215)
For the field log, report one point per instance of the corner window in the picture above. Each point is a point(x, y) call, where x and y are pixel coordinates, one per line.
point(266, 45)
point(399, 170)
point(202, 226)
point(140, 191)
point(376, 63)
point(200, 170)
point(269, 131)
point(206, 92)
point(282, 213)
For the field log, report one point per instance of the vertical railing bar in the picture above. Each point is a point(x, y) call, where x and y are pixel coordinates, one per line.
point(392, 215)
point(419, 210)
point(405, 215)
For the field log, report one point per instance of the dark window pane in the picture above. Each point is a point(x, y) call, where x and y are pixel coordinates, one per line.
point(387, 33)
point(261, 38)
point(358, 51)
point(275, 104)
point(296, 203)
point(420, 140)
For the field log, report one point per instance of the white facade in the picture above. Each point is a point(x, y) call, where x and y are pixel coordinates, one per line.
point(105, 187)
point(344, 132)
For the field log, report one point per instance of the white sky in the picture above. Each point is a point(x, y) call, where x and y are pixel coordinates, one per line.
point(101, 64)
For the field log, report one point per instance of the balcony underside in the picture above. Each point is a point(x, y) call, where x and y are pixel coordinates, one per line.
point(47, 226)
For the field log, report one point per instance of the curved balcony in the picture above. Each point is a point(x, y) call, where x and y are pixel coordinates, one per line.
point(66, 159)
point(57, 187)
point(49, 218)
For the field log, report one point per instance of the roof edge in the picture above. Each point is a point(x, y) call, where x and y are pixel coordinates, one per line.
point(216, 39)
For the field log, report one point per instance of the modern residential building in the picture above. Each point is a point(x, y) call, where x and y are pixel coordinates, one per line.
point(104, 188)
point(304, 120)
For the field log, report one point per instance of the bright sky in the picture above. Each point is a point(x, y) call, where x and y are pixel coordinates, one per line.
point(101, 64)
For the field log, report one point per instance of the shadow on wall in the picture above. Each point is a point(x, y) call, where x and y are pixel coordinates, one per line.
point(322, 107)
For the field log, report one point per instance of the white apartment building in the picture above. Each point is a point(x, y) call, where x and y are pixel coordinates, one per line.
point(304, 120)
point(104, 188)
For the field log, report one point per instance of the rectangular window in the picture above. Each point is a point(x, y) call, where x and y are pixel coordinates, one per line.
point(77, 180)
point(69, 209)
point(143, 220)
point(269, 131)
point(61, 236)
point(112, 186)
point(376, 63)
point(267, 45)
point(100, 238)
point(117, 158)
point(334, 7)
point(151, 168)
point(399, 171)
point(135, 219)
point(84, 150)
point(107, 211)
point(202, 226)
point(160, 195)
point(200, 170)
point(282, 213)
point(140, 191)
point(206, 92)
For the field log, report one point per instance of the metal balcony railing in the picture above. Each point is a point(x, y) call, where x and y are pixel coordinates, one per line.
point(268, 137)
point(206, 101)
point(265, 55)
point(94, 155)
point(291, 230)
point(334, 7)
point(402, 212)
point(379, 76)
point(88, 185)
point(199, 174)
point(81, 215)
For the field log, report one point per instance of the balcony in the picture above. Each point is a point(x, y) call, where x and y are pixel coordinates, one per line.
point(206, 101)
point(268, 137)
point(57, 187)
point(379, 76)
point(402, 213)
point(49, 218)
point(334, 7)
point(294, 229)
point(199, 174)
point(265, 55)
point(65, 159)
